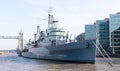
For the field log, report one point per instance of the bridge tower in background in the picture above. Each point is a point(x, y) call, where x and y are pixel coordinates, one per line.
point(20, 41)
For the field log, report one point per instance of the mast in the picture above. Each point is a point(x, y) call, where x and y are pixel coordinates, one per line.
point(51, 20)
point(38, 29)
point(50, 17)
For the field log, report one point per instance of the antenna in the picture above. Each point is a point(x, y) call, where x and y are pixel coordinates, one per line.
point(50, 10)
point(50, 17)
point(50, 4)
point(51, 20)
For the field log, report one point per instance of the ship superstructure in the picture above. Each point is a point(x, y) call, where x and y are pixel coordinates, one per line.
point(55, 44)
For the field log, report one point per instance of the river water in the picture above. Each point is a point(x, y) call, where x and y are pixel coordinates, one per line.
point(12, 62)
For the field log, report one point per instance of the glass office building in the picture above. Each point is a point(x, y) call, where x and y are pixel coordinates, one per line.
point(90, 32)
point(102, 32)
point(97, 23)
point(115, 32)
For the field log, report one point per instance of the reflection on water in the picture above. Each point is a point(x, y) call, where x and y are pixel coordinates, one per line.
point(11, 62)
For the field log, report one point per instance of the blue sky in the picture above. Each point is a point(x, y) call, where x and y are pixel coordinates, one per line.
point(25, 15)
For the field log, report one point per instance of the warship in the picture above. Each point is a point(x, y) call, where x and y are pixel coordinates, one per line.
point(55, 44)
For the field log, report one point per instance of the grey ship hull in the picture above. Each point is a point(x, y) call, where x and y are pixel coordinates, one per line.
point(83, 51)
